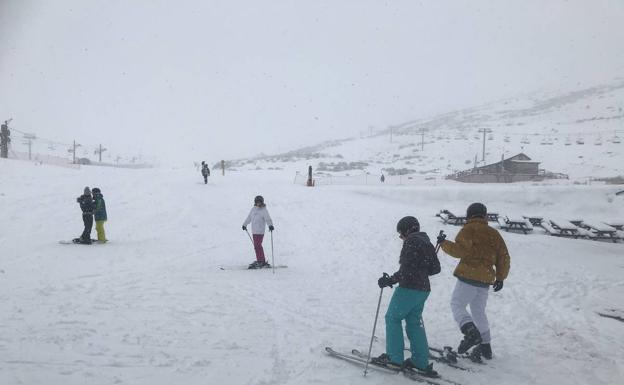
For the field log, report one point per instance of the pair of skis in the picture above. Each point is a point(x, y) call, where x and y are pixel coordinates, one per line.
point(241, 267)
point(358, 358)
point(450, 357)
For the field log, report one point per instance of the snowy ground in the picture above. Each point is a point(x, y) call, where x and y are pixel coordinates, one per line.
point(153, 307)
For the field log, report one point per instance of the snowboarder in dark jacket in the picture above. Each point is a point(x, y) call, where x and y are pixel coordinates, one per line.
point(205, 171)
point(417, 262)
point(99, 214)
point(87, 205)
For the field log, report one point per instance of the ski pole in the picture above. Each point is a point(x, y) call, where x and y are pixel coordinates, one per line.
point(272, 258)
point(249, 235)
point(438, 245)
point(370, 347)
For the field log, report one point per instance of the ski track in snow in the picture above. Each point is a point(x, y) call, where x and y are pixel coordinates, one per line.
point(153, 307)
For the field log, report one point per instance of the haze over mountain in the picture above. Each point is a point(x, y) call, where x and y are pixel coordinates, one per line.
point(214, 80)
point(577, 133)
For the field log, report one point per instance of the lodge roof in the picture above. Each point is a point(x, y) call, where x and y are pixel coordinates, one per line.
point(518, 158)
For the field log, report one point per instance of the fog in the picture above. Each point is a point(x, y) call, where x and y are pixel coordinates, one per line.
point(192, 80)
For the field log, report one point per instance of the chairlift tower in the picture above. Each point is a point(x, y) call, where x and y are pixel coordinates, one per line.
point(28, 141)
point(99, 151)
point(73, 151)
point(485, 131)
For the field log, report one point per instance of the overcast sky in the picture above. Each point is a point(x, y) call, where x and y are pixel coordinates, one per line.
point(221, 79)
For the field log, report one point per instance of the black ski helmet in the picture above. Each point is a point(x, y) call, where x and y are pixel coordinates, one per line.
point(476, 210)
point(259, 199)
point(407, 225)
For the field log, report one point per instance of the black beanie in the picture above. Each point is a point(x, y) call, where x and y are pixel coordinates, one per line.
point(407, 225)
point(476, 210)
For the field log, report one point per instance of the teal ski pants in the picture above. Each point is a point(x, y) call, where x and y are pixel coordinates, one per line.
point(408, 305)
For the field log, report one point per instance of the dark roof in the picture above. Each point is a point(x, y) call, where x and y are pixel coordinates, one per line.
point(518, 158)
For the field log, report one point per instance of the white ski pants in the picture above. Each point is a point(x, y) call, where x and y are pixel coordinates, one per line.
point(465, 294)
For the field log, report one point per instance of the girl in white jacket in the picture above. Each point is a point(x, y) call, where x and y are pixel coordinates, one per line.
point(258, 217)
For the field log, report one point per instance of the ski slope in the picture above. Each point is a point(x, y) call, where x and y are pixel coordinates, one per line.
point(153, 307)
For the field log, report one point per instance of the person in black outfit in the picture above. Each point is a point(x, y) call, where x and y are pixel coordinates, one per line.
point(87, 205)
point(418, 260)
point(205, 172)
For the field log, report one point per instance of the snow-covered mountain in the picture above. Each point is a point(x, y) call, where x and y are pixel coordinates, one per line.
point(167, 301)
point(578, 133)
point(153, 307)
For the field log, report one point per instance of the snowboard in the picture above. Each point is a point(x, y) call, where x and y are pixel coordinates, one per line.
point(75, 242)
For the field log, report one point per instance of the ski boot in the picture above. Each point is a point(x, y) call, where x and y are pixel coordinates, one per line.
point(384, 361)
point(255, 265)
point(408, 365)
point(472, 337)
point(485, 350)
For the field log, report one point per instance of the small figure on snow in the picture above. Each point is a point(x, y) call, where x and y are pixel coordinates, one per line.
point(483, 261)
point(418, 260)
point(258, 217)
point(205, 171)
point(382, 178)
point(87, 205)
point(99, 214)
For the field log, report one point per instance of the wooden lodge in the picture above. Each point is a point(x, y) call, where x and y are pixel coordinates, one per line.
point(518, 168)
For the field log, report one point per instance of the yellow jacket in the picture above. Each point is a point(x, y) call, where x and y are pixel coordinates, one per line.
point(480, 249)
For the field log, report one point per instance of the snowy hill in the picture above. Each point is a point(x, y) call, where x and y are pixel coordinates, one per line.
point(153, 307)
point(578, 133)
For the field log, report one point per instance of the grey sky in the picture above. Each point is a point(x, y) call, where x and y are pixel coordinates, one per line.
point(213, 79)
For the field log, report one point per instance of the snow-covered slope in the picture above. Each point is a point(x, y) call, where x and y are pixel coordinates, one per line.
point(578, 133)
point(153, 307)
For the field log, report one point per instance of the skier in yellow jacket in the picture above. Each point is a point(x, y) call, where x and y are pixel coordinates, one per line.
point(483, 261)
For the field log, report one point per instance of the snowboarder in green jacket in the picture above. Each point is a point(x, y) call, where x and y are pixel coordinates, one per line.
point(100, 214)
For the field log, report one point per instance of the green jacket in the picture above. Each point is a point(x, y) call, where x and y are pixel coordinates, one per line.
point(100, 207)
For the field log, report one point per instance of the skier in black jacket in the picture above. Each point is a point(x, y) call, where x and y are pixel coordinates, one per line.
point(418, 261)
point(87, 205)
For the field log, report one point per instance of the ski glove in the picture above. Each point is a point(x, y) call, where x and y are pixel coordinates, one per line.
point(498, 285)
point(385, 281)
point(441, 237)
point(271, 228)
point(244, 228)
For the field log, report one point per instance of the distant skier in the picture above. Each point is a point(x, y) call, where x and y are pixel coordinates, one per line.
point(258, 217)
point(383, 178)
point(99, 214)
point(483, 261)
point(418, 260)
point(87, 205)
point(205, 171)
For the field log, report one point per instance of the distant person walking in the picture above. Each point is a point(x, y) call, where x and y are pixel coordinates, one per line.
point(483, 261)
point(258, 217)
point(87, 205)
point(383, 178)
point(99, 214)
point(205, 171)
